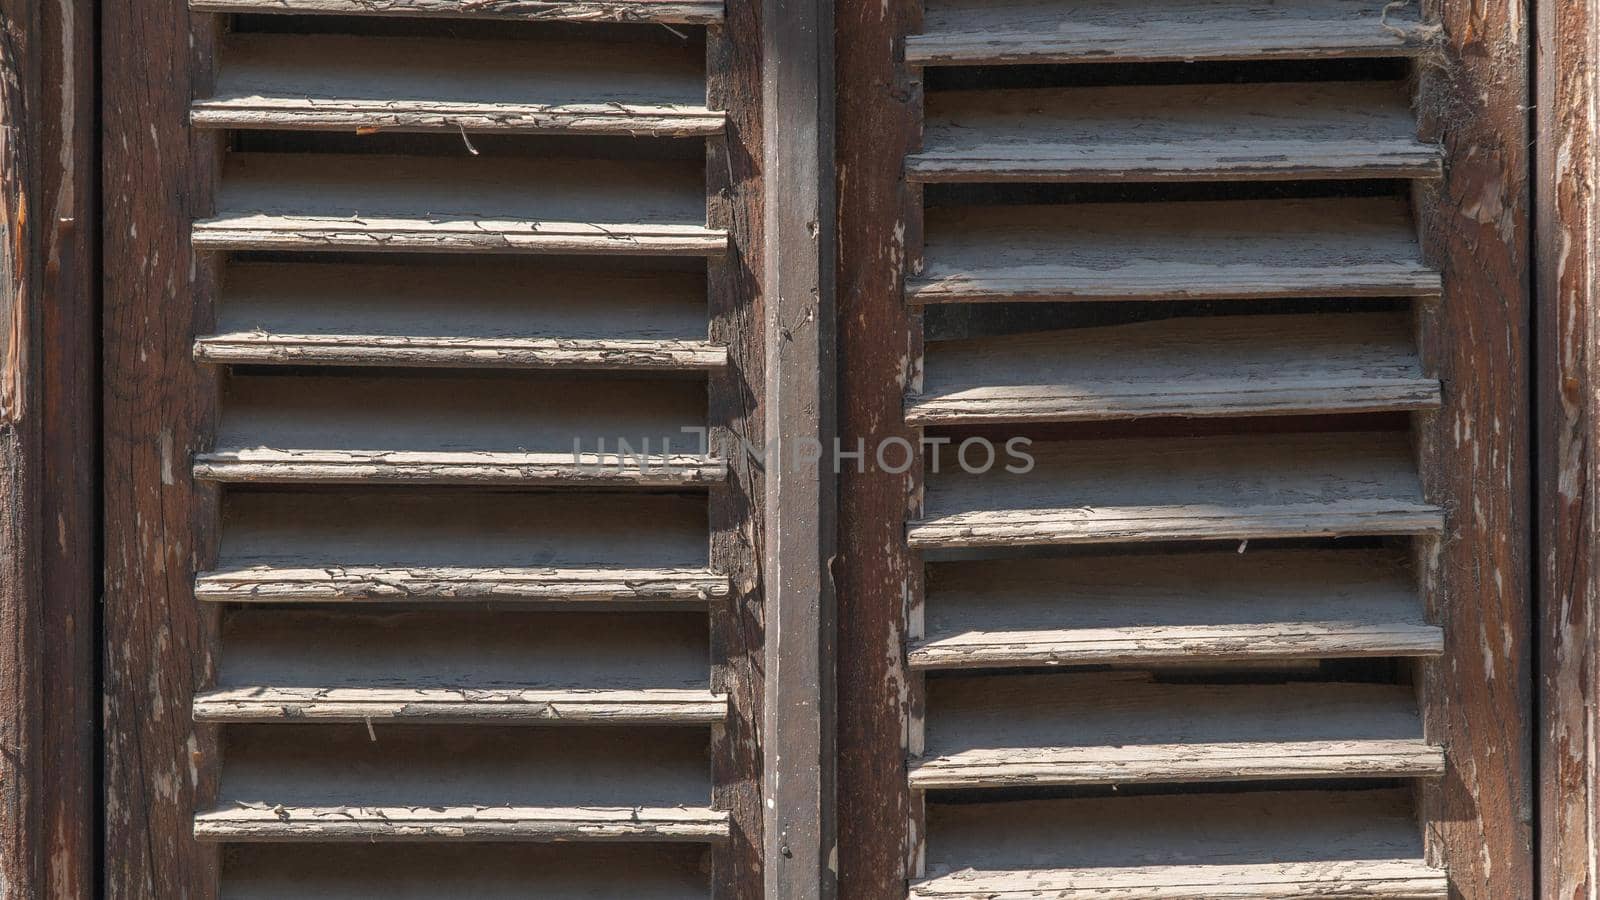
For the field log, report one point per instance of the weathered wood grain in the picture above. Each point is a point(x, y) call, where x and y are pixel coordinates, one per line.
point(1339, 130)
point(24, 734)
point(1372, 879)
point(463, 705)
point(259, 348)
point(735, 412)
point(1568, 598)
point(70, 280)
point(1213, 250)
point(688, 12)
point(279, 822)
point(1172, 607)
point(270, 466)
point(1022, 32)
point(467, 584)
point(508, 313)
point(1207, 488)
point(1009, 731)
point(878, 577)
point(318, 202)
point(159, 525)
point(340, 83)
point(1224, 366)
point(1475, 452)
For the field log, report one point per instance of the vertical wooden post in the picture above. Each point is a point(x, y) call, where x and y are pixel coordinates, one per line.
point(798, 730)
point(22, 748)
point(733, 197)
point(158, 176)
point(68, 368)
point(880, 347)
point(1568, 487)
point(1474, 225)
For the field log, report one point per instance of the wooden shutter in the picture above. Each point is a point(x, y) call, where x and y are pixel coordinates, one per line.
point(425, 578)
point(1247, 281)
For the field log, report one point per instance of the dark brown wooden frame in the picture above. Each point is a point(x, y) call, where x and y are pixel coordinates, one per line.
point(1568, 490)
point(48, 464)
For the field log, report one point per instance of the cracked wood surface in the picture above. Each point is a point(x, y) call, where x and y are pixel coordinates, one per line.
point(462, 705)
point(500, 353)
point(1199, 250)
point(1339, 130)
point(279, 822)
point(1019, 32)
point(394, 584)
point(271, 466)
point(330, 202)
point(328, 82)
point(1223, 366)
point(1173, 607)
point(687, 12)
point(1357, 879)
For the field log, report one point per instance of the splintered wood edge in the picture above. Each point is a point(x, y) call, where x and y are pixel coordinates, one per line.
point(1400, 879)
point(1178, 763)
point(292, 467)
point(528, 353)
point(502, 706)
point(378, 584)
point(1286, 640)
point(419, 116)
point(1000, 528)
point(517, 236)
point(281, 822)
point(678, 12)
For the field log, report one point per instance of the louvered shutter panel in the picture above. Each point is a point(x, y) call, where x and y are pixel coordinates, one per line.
point(1172, 245)
point(458, 271)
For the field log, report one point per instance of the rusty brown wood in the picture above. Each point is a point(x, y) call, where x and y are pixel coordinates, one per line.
point(1568, 491)
point(68, 552)
point(158, 409)
point(879, 579)
point(1474, 452)
point(23, 751)
point(734, 203)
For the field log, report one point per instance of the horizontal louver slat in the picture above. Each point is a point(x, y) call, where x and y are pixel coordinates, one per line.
point(688, 12)
point(325, 82)
point(1173, 133)
point(1012, 32)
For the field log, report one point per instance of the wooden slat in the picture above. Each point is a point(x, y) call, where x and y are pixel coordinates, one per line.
point(396, 584)
point(343, 83)
point(1369, 879)
point(1212, 250)
point(491, 871)
point(438, 467)
point(1082, 848)
point(330, 202)
point(1225, 366)
point(439, 545)
point(1207, 488)
point(391, 781)
point(1010, 731)
point(282, 822)
point(1179, 607)
point(502, 706)
point(688, 12)
point(1238, 132)
point(467, 666)
point(1011, 32)
point(466, 429)
point(500, 314)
